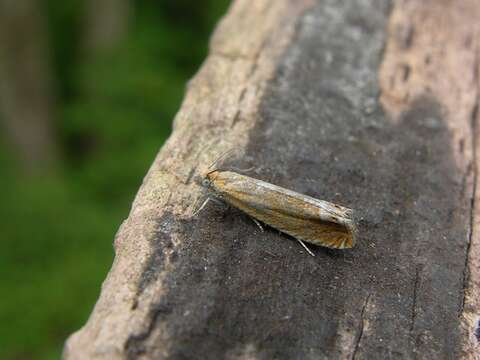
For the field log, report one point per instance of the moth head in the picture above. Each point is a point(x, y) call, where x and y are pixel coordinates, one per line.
point(206, 181)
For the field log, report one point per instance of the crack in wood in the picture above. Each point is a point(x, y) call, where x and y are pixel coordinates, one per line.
point(191, 173)
point(362, 327)
point(237, 116)
point(253, 69)
point(414, 300)
point(473, 126)
point(233, 56)
point(256, 57)
point(135, 344)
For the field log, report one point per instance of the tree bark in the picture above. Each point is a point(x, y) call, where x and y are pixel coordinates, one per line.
point(365, 103)
point(106, 24)
point(26, 89)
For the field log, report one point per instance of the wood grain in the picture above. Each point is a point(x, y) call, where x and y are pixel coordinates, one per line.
point(433, 52)
point(365, 103)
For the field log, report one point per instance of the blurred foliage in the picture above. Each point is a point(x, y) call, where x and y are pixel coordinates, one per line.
point(113, 113)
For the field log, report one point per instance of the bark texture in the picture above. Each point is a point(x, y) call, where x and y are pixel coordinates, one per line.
point(365, 103)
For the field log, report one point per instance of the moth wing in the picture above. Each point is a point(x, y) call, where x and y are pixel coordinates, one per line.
point(311, 230)
point(294, 220)
point(305, 218)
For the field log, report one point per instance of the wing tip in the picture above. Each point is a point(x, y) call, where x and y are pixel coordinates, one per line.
point(348, 241)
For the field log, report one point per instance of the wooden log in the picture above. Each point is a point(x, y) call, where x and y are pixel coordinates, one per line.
point(363, 103)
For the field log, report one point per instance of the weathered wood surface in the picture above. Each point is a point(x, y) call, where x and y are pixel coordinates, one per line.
point(365, 103)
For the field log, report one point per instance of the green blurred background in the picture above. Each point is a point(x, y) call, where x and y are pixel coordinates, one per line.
point(88, 90)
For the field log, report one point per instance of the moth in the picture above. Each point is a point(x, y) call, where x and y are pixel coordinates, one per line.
point(300, 216)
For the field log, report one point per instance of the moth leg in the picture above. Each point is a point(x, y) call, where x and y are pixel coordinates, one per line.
point(212, 199)
point(306, 248)
point(201, 207)
point(258, 224)
point(219, 202)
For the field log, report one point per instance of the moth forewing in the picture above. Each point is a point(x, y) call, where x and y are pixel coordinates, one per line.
point(301, 216)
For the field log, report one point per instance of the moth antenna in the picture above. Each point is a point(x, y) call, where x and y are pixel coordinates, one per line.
point(204, 148)
point(242, 170)
point(306, 248)
point(221, 157)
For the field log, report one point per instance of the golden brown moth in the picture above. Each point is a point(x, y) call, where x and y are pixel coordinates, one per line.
point(303, 217)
